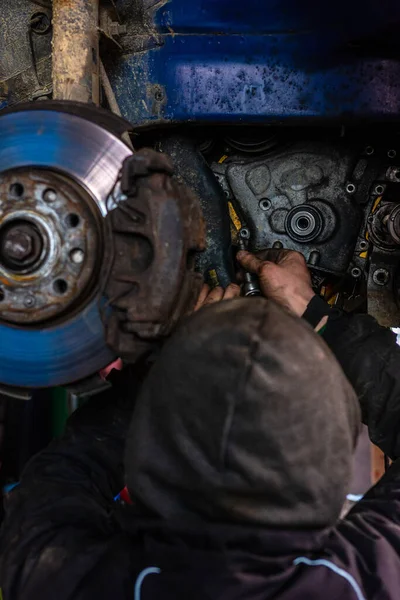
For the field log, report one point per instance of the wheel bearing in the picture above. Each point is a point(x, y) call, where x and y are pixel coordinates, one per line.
point(304, 223)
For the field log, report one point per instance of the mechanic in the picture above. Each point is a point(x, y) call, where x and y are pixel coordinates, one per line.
point(237, 460)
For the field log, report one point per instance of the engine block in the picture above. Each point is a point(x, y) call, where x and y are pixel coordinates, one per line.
point(305, 196)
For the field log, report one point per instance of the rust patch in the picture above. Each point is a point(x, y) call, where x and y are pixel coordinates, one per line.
point(76, 50)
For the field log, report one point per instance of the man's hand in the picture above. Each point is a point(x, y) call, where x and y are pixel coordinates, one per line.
point(284, 277)
point(209, 296)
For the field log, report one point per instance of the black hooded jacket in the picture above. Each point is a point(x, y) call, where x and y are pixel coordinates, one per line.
point(65, 538)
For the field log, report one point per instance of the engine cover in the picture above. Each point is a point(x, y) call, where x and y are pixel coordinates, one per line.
point(300, 196)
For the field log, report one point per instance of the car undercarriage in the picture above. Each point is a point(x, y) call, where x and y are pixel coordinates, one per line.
point(284, 125)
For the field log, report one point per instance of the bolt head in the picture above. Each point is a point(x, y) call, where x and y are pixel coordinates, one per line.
point(49, 195)
point(381, 277)
point(29, 301)
point(77, 256)
point(18, 244)
point(265, 204)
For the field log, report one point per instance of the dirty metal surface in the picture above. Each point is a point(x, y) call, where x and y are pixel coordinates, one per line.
point(149, 280)
point(224, 61)
point(384, 274)
point(296, 195)
point(192, 169)
point(63, 350)
point(25, 57)
point(256, 62)
point(76, 50)
point(384, 287)
point(49, 245)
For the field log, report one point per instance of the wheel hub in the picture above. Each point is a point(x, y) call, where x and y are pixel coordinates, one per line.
point(49, 245)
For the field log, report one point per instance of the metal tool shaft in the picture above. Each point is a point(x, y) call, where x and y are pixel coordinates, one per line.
point(250, 286)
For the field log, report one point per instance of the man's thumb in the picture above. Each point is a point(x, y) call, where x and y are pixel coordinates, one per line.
point(248, 261)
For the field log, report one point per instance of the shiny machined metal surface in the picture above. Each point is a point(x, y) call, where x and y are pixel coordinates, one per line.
point(65, 346)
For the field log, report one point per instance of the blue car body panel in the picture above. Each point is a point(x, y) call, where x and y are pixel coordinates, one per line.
point(258, 61)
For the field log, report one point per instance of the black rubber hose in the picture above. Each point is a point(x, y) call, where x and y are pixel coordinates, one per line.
point(193, 170)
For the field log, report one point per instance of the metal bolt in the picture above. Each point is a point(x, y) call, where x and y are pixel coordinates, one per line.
point(391, 153)
point(355, 272)
point(29, 301)
point(363, 245)
point(379, 189)
point(77, 256)
point(265, 204)
point(244, 233)
point(314, 258)
point(18, 244)
point(380, 277)
point(49, 195)
point(369, 150)
point(350, 188)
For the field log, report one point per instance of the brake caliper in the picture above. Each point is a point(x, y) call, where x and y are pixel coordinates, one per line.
point(155, 228)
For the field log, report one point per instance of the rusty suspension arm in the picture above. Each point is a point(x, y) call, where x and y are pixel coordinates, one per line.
point(76, 50)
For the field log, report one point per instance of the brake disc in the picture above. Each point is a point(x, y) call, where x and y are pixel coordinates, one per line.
point(56, 172)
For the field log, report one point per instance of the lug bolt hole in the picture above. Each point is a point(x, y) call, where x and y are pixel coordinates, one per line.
point(60, 286)
point(16, 190)
point(72, 220)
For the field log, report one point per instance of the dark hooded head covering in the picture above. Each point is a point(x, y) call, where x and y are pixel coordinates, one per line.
point(246, 417)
